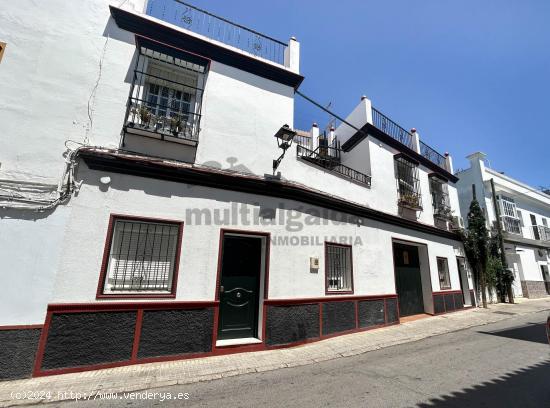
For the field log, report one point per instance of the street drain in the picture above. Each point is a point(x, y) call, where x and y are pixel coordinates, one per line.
point(505, 313)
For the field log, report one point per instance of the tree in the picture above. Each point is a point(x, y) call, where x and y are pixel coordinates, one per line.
point(476, 239)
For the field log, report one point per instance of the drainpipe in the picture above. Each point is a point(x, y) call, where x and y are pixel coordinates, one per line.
point(500, 239)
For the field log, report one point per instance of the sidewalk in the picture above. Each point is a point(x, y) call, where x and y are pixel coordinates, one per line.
point(145, 376)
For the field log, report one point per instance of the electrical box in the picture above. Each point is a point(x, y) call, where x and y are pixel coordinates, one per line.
point(314, 263)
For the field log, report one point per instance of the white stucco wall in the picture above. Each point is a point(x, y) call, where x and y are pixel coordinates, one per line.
point(289, 274)
point(29, 250)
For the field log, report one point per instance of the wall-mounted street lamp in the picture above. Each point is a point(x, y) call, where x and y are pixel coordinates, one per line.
point(284, 137)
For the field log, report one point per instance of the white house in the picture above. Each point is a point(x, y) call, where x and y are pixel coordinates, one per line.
point(142, 219)
point(524, 216)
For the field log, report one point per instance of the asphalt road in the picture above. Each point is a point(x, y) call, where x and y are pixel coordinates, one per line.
point(505, 364)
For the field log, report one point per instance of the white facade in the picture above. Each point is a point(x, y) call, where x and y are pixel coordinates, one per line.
point(68, 77)
point(524, 218)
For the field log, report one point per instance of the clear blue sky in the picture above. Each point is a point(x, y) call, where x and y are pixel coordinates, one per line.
point(469, 75)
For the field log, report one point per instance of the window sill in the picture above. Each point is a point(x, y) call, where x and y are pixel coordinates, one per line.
point(136, 296)
point(342, 292)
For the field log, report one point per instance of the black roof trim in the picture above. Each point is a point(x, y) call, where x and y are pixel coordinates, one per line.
point(371, 130)
point(171, 51)
point(146, 28)
point(156, 169)
point(405, 156)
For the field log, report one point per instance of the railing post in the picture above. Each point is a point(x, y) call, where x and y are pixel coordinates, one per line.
point(415, 140)
point(449, 162)
point(314, 132)
point(292, 55)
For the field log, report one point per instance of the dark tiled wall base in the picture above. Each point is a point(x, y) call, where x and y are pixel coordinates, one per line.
point(17, 352)
point(287, 324)
point(291, 324)
point(448, 302)
point(534, 289)
point(338, 317)
point(170, 332)
point(80, 339)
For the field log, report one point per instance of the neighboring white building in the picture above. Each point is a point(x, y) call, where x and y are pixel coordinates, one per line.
point(162, 233)
point(524, 216)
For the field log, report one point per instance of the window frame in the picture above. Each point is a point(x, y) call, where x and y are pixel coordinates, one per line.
point(332, 291)
point(100, 293)
point(448, 273)
point(408, 185)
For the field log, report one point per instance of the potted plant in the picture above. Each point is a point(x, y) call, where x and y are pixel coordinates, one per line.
point(144, 115)
point(410, 200)
point(176, 125)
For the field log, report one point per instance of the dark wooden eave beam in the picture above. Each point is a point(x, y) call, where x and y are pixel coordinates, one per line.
point(157, 169)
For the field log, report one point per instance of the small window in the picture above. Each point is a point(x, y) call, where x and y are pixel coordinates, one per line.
point(338, 268)
point(142, 258)
point(545, 222)
point(443, 270)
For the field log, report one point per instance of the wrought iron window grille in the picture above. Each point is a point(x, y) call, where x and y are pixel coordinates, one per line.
point(339, 268)
point(408, 184)
point(142, 257)
point(165, 96)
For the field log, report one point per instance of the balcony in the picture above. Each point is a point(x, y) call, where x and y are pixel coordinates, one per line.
point(217, 28)
point(165, 103)
point(511, 225)
point(541, 232)
point(327, 155)
point(403, 136)
point(409, 197)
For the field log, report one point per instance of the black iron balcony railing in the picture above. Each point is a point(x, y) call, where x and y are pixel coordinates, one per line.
point(541, 232)
point(432, 155)
point(217, 28)
point(388, 126)
point(164, 120)
point(511, 225)
point(329, 158)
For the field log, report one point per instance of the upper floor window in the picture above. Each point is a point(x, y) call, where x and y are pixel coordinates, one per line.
point(440, 197)
point(443, 271)
point(509, 215)
point(166, 94)
point(408, 183)
point(338, 268)
point(142, 257)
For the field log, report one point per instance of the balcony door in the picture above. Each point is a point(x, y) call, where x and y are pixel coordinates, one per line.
point(536, 233)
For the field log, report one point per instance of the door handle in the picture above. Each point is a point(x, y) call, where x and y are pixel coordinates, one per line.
point(221, 289)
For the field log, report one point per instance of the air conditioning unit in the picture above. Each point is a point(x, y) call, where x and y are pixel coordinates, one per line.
point(457, 222)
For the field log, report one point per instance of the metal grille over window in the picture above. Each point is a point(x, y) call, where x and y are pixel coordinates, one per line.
point(443, 270)
point(408, 184)
point(166, 96)
point(509, 215)
point(339, 268)
point(440, 198)
point(142, 257)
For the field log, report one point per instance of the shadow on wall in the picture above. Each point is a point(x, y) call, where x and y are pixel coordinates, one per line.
point(24, 214)
point(526, 387)
point(268, 205)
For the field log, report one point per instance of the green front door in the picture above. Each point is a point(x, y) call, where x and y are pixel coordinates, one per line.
point(408, 280)
point(239, 287)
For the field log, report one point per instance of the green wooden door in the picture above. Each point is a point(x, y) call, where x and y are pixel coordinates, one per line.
point(239, 287)
point(408, 279)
